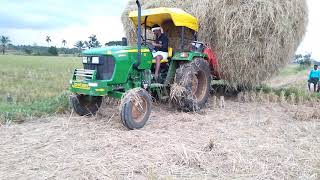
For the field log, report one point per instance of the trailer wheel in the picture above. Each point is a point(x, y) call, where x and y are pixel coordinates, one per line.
point(85, 105)
point(135, 108)
point(195, 79)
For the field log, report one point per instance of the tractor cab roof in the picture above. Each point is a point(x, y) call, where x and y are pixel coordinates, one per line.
point(161, 15)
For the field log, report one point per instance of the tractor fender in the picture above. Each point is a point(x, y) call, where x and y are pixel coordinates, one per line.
point(213, 61)
point(179, 56)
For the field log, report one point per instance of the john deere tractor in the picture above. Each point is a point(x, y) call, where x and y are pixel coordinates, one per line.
point(125, 72)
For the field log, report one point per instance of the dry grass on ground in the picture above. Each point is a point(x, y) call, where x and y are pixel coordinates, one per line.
point(242, 140)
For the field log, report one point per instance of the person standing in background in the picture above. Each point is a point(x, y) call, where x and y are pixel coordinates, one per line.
point(314, 76)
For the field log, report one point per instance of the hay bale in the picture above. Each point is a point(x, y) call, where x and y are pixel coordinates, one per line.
point(253, 39)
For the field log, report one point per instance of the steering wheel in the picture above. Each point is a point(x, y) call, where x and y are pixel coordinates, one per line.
point(142, 38)
point(150, 46)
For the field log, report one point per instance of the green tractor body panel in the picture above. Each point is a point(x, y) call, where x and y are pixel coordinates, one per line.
point(123, 54)
point(82, 87)
point(187, 56)
point(123, 74)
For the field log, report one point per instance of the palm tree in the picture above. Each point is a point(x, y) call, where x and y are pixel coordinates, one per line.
point(64, 42)
point(87, 44)
point(48, 39)
point(79, 45)
point(93, 42)
point(4, 42)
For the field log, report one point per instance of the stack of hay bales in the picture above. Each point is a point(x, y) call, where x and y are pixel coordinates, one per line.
point(253, 39)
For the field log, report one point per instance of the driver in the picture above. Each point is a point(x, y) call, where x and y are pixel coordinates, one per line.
point(160, 50)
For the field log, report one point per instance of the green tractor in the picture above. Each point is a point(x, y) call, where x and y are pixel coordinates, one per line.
point(125, 72)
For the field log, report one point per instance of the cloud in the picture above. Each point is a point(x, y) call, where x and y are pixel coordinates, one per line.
point(105, 32)
point(52, 14)
point(312, 38)
point(28, 22)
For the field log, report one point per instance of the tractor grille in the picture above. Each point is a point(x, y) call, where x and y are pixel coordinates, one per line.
point(104, 69)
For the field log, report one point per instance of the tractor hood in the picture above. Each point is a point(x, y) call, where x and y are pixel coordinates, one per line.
point(113, 50)
point(119, 60)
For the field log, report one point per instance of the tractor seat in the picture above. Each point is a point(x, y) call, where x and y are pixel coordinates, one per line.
point(170, 54)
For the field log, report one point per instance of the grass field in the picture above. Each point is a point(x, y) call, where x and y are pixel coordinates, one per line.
point(34, 85)
point(293, 76)
point(292, 80)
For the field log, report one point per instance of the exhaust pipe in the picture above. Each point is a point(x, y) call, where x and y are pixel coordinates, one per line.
point(139, 35)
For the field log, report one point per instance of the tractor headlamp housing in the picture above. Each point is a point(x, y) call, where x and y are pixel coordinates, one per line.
point(95, 60)
point(84, 60)
point(93, 84)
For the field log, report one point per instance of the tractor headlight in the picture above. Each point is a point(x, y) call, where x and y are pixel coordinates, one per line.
point(84, 60)
point(184, 55)
point(95, 60)
point(93, 84)
point(70, 81)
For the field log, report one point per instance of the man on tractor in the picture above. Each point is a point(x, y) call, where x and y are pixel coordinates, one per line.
point(160, 50)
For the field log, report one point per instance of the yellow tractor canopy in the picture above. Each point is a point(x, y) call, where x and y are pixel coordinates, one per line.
point(161, 15)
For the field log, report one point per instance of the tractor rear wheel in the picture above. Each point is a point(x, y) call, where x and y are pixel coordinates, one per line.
point(195, 80)
point(85, 105)
point(135, 108)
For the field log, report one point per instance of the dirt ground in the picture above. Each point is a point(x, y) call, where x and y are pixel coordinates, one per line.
point(240, 141)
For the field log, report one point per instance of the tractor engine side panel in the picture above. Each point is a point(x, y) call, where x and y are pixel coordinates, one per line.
point(124, 65)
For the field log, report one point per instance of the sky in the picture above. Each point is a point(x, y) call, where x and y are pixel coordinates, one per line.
point(28, 22)
point(311, 42)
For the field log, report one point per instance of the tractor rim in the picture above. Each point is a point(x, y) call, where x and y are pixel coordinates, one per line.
point(199, 86)
point(139, 109)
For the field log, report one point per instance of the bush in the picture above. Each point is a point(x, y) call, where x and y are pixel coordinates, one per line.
point(53, 51)
point(305, 62)
point(264, 88)
point(38, 108)
point(28, 51)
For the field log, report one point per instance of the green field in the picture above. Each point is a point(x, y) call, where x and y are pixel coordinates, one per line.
point(293, 76)
point(291, 80)
point(34, 85)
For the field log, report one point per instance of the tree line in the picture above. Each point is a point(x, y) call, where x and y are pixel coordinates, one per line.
point(304, 60)
point(4, 43)
point(80, 45)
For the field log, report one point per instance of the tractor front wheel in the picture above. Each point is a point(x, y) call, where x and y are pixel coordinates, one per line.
point(135, 108)
point(85, 105)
